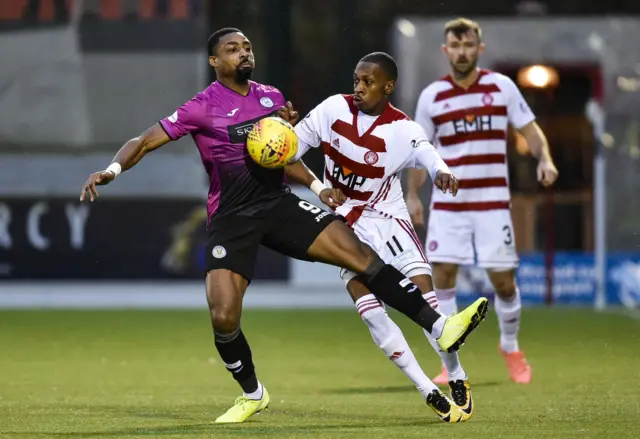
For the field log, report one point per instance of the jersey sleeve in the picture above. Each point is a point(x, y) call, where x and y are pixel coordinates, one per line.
point(422, 154)
point(308, 131)
point(185, 120)
point(422, 116)
point(518, 110)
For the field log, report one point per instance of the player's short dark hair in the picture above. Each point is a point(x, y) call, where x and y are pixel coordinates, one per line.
point(386, 63)
point(215, 37)
point(461, 26)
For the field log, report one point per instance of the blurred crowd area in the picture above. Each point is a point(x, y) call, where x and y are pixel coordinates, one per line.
point(46, 11)
point(60, 11)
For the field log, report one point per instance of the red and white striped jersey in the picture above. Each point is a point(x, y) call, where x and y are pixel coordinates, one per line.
point(364, 155)
point(469, 128)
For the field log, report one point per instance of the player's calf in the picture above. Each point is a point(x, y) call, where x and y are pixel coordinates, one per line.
point(224, 296)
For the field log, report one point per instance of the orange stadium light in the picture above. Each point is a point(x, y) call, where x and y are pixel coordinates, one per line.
point(538, 76)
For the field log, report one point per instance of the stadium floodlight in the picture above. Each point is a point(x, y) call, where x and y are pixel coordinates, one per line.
point(538, 76)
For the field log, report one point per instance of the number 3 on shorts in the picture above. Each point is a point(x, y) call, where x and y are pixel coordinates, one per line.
point(305, 205)
point(508, 240)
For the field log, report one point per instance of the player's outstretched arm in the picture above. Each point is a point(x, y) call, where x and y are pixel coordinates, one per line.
point(302, 174)
point(539, 147)
point(127, 157)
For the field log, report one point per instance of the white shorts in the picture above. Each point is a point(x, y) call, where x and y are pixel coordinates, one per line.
point(395, 241)
point(485, 239)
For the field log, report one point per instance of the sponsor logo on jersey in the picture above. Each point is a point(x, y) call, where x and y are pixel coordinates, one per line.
point(472, 124)
point(238, 132)
point(347, 177)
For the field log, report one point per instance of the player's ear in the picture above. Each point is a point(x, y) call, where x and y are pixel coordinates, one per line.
point(481, 48)
point(443, 48)
point(213, 61)
point(389, 86)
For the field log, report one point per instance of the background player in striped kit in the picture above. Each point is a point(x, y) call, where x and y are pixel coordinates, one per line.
point(466, 115)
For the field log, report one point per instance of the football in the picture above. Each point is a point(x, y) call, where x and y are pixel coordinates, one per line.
point(272, 142)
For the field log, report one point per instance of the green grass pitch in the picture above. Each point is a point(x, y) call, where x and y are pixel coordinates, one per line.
point(156, 374)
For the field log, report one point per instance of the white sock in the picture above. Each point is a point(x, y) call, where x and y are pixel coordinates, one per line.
point(389, 338)
point(257, 394)
point(450, 360)
point(509, 321)
point(447, 301)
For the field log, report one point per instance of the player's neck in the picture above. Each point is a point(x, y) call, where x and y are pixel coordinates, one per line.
point(377, 110)
point(466, 81)
point(240, 88)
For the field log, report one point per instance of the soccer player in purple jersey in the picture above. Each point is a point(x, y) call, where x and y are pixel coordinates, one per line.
point(249, 206)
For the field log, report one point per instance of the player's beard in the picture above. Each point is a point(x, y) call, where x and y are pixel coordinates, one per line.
point(463, 72)
point(243, 75)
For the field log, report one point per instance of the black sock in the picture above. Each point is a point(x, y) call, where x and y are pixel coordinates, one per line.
point(390, 286)
point(236, 355)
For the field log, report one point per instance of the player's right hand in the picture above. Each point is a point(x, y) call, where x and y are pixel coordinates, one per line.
point(287, 113)
point(446, 181)
point(332, 197)
point(416, 210)
point(96, 179)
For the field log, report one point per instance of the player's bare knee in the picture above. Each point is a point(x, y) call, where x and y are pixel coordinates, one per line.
point(444, 275)
point(504, 285)
point(226, 320)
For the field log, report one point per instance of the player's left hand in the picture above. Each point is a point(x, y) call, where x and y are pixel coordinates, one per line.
point(332, 197)
point(547, 172)
point(446, 182)
point(287, 113)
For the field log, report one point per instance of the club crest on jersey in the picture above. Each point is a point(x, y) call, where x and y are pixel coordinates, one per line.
point(371, 158)
point(219, 252)
point(487, 99)
point(266, 102)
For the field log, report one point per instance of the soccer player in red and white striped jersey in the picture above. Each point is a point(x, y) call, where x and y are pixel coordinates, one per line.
point(466, 114)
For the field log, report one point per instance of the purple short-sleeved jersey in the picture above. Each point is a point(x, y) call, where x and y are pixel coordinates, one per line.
point(219, 120)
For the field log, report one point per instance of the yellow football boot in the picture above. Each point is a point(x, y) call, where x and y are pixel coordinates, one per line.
point(244, 408)
point(459, 326)
point(444, 407)
point(461, 396)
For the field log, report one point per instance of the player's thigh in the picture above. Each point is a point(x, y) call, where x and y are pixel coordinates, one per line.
point(450, 238)
point(305, 231)
point(397, 244)
point(495, 240)
point(232, 244)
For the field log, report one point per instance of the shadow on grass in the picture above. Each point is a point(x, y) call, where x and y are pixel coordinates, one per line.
point(394, 389)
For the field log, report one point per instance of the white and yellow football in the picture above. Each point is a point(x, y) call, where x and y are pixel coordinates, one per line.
point(272, 142)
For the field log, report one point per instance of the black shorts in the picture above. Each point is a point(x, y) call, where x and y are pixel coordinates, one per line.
point(290, 227)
